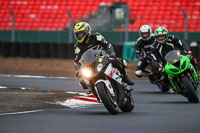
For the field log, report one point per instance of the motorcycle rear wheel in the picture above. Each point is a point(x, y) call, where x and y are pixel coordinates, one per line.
point(109, 102)
point(129, 103)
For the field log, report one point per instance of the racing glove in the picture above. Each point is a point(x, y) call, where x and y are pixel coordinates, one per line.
point(189, 55)
point(111, 58)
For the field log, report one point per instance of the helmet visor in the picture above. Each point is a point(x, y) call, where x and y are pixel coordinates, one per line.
point(80, 35)
point(161, 38)
point(145, 34)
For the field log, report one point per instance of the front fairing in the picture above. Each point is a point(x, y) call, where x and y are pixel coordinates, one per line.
point(176, 63)
point(95, 61)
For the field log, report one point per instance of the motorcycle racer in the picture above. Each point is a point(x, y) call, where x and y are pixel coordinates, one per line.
point(163, 44)
point(86, 40)
point(143, 46)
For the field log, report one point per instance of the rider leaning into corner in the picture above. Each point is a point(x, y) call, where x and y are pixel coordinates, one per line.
point(143, 47)
point(162, 45)
point(86, 40)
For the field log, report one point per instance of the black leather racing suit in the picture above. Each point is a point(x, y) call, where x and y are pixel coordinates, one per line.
point(143, 48)
point(160, 50)
point(97, 40)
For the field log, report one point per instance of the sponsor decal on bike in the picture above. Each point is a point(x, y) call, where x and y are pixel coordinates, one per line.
point(112, 73)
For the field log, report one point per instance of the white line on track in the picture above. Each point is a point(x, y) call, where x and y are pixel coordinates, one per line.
point(3, 87)
point(32, 76)
point(17, 113)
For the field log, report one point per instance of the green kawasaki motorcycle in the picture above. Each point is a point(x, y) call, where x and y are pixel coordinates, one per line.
point(182, 75)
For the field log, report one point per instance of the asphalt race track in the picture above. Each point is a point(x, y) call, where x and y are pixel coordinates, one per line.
point(155, 112)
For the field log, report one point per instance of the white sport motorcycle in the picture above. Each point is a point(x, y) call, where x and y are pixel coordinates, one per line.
point(105, 81)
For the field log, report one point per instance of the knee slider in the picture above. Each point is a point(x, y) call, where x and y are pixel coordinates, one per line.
point(124, 63)
point(139, 73)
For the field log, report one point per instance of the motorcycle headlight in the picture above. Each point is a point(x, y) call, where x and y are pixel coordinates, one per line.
point(99, 67)
point(86, 72)
point(183, 65)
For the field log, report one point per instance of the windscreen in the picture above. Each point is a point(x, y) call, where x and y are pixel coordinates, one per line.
point(173, 56)
point(89, 57)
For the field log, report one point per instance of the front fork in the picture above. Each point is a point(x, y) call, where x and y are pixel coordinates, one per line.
point(174, 84)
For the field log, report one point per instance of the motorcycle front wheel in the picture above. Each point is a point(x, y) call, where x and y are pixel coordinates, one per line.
point(190, 90)
point(108, 100)
point(129, 103)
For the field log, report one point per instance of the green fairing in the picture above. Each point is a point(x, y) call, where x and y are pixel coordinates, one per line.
point(172, 74)
point(169, 66)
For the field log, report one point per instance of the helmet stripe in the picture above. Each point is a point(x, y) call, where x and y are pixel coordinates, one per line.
point(81, 26)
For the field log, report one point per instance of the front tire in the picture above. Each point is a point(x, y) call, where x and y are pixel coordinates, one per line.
point(109, 101)
point(190, 90)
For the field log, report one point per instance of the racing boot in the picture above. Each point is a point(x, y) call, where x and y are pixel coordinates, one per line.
point(152, 78)
point(125, 78)
point(128, 88)
point(120, 65)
